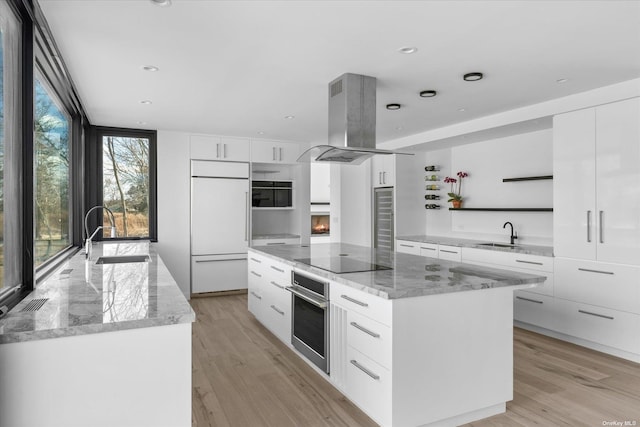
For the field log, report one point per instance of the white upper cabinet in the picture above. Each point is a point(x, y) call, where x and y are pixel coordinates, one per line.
point(597, 183)
point(274, 152)
point(383, 170)
point(207, 147)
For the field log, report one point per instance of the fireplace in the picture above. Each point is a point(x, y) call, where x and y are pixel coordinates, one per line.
point(319, 224)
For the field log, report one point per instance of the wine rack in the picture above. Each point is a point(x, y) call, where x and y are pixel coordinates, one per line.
point(431, 178)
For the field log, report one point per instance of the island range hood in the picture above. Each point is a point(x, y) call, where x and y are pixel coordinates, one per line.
point(352, 123)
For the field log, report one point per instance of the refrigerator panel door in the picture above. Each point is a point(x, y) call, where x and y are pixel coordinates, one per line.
point(218, 273)
point(213, 169)
point(219, 216)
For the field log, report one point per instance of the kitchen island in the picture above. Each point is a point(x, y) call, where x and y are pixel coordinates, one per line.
point(99, 345)
point(419, 341)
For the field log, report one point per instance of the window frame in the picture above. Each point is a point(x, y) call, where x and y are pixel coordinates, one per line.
point(95, 188)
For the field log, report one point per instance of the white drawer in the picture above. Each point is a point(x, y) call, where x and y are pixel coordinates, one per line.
point(408, 247)
point(269, 268)
point(369, 386)
point(450, 253)
point(277, 318)
point(534, 309)
point(429, 250)
point(255, 298)
point(508, 259)
point(606, 285)
point(612, 328)
point(371, 306)
point(371, 338)
point(273, 242)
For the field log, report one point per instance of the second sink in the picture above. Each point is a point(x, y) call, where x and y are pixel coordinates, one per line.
point(121, 259)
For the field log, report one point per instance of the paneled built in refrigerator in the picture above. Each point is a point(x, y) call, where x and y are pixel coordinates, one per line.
point(220, 207)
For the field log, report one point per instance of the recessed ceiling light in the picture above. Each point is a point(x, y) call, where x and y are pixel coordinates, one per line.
point(289, 117)
point(150, 68)
point(393, 106)
point(473, 77)
point(428, 93)
point(462, 110)
point(408, 49)
point(164, 3)
point(562, 80)
point(146, 102)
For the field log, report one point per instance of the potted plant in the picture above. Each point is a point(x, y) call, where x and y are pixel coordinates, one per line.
point(455, 197)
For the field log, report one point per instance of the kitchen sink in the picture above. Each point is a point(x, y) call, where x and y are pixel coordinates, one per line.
point(122, 259)
point(498, 245)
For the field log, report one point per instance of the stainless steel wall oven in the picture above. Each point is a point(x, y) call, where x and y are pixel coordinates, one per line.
point(310, 318)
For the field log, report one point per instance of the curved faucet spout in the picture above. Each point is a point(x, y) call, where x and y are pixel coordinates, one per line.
point(112, 221)
point(514, 235)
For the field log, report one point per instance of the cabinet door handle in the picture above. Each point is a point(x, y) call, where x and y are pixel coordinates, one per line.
point(588, 270)
point(246, 217)
point(384, 177)
point(530, 300)
point(273, 153)
point(217, 151)
point(379, 177)
point(596, 314)
point(280, 151)
point(406, 246)
point(429, 249)
point(256, 295)
point(275, 243)
point(355, 301)
point(277, 269)
point(224, 150)
point(528, 262)
point(275, 284)
point(365, 330)
point(276, 309)
point(449, 252)
point(256, 260)
point(601, 214)
point(588, 226)
point(200, 261)
point(365, 370)
point(256, 274)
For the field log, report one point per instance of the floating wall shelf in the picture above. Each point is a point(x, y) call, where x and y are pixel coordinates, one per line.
point(528, 178)
point(504, 209)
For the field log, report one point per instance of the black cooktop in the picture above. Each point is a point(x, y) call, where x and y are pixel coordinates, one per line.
point(342, 264)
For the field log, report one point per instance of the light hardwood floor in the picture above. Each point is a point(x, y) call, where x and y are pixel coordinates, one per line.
point(244, 376)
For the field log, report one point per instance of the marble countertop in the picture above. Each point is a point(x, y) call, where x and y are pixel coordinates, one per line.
point(88, 298)
point(469, 243)
point(410, 276)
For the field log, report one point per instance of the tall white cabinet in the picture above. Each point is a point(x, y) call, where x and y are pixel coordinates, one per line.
point(597, 183)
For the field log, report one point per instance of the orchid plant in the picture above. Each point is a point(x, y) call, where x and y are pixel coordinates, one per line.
point(457, 194)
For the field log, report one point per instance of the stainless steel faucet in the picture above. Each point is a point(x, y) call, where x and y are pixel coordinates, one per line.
point(87, 242)
point(514, 235)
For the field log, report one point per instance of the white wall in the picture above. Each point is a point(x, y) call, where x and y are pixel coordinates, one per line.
point(438, 221)
point(174, 189)
point(320, 183)
point(351, 214)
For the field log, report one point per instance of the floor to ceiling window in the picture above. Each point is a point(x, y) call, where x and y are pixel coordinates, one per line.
point(51, 174)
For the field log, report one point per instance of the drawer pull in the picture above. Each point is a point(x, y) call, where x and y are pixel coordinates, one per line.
point(530, 300)
point(275, 243)
point(365, 330)
point(256, 260)
point(256, 274)
point(595, 271)
point(528, 262)
point(256, 295)
point(595, 314)
point(276, 309)
point(449, 252)
point(365, 370)
point(429, 249)
point(406, 246)
point(200, 261)
point(275, 284)
point(277, 269)
point(355, 301)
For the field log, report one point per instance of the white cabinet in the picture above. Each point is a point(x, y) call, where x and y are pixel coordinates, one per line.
point(208, 147)
point(596, 177)
point(274, 152)
point(449, 253)
point(215, 273)
point(383, 170)
point(432, 250)
point(273, 242)
point(429, 250)
point(408, 247)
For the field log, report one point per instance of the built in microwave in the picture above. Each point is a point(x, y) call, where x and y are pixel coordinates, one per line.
point(272, 194)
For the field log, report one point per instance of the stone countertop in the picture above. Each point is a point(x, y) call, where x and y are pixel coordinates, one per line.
point(469, 243)
point(88, 298)
point(410, 276)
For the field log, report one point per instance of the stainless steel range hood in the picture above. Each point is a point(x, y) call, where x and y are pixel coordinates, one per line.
point(352, 123)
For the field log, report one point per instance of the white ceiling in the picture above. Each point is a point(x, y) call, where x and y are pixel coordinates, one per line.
point(239, 67)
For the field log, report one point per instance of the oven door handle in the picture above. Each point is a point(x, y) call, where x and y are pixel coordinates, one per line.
point(309, 298)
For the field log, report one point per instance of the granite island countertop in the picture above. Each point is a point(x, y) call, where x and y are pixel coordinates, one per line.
point(87, 298)
point(476, 244)
point(409, 276)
